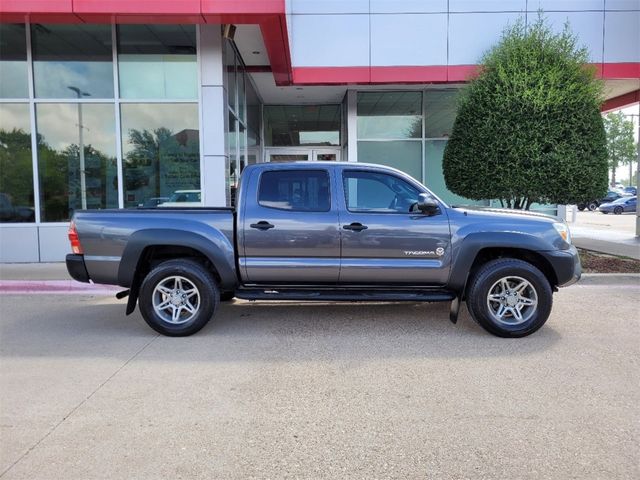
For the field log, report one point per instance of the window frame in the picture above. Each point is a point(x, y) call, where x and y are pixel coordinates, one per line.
point(289, 170)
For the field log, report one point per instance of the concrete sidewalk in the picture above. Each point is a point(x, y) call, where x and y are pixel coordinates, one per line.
point(34, 271)
point(611, 234)
point(613, 242)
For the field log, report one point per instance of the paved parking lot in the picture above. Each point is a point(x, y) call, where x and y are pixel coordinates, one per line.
point(625, 222)
point(319, 391)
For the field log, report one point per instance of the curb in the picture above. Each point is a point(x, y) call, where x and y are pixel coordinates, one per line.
point(609, 279)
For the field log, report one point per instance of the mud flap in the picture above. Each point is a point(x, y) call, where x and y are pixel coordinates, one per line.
point(455, 309)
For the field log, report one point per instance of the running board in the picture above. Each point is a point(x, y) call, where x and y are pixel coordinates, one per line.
point(346, 295)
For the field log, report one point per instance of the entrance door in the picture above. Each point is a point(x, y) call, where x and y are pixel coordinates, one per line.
point(283, 155)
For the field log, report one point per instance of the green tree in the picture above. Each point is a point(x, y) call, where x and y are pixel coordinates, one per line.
point(529, 128)
point(621, 149)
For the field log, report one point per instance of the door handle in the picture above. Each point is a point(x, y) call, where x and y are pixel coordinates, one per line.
point(262, 225)
point(355, 226)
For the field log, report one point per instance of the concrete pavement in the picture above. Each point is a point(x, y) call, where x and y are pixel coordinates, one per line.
point(281, 390)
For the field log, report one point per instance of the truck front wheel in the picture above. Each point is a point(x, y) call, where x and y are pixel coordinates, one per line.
point(509, 298)
point(178, 297)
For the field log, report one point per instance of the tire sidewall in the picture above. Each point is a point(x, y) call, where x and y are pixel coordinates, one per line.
point(195, 273)
point(617, 210)
point(486, 278)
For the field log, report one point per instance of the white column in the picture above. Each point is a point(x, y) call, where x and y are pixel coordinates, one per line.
point(352, 125)
point(213, 112)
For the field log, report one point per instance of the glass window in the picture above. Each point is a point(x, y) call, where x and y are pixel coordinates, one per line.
point(76, 158)
point(241, 96)
point(157, 61)
point(230, 64)
point(378, 193)
point(440, 112)
point(16, 171)
point(389, 115)
point(13, 61)
point(161, 150)
point(72, 61)
point(434, 175)
point(297, 125)
point(405, 155)
point(297, 190)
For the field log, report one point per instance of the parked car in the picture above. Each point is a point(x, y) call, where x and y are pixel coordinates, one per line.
point(594, 204)
point(14, 213)
point(624, 204)
point(326, 231)
point(632, 191)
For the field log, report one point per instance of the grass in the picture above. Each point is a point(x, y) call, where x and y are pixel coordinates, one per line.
point(594, 262)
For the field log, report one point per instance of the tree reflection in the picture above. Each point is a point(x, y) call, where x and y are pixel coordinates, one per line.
point(160, 162)
point(16, 177)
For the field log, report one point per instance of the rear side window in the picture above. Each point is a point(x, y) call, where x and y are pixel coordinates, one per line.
point(296, 190)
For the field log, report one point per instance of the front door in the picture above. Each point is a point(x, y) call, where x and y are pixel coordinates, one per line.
point(383, 239)
point(290, 231)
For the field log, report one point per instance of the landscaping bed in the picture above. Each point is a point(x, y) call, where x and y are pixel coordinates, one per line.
point(594, 262)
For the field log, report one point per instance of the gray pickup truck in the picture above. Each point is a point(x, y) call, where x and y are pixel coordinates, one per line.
point(327, 231)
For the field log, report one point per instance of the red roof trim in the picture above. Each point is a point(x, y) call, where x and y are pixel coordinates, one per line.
point(270, 16)
point(331, 75)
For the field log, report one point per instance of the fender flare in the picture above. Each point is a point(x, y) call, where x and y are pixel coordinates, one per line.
point(216, 247)
point(467, 251)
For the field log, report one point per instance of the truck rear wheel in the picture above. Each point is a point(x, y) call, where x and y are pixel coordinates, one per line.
point(178, 297)
point(509, 298)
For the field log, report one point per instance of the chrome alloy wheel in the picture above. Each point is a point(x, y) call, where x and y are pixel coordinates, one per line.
point(176, 300)
point(512, 300)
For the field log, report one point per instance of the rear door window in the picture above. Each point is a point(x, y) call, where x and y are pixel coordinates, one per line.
point(295, 190)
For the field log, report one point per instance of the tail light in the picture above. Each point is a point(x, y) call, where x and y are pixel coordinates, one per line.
point(74, 239)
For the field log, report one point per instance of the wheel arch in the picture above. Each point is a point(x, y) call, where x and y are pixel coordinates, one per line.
point(478, 249)
point(147, 248)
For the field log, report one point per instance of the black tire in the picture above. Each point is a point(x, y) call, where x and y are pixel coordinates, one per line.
point(581, 207)
point(617, 210)
point(487, 276)
point(227, 296)
point(593, 206)
point(207, 300)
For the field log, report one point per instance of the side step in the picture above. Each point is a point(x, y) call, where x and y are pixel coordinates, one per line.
point(347, 295)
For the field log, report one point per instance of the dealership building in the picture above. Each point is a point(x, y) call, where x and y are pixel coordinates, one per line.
point(128, 103)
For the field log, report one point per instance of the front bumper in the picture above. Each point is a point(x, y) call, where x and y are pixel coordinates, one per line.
point(566, 265)
point(77, 268)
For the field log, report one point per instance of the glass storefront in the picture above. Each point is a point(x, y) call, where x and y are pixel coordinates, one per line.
point(409, 131)
point(80, 117)
point(244, 114)
point(77, 166)
point(72, 61)
point(302, 125)
point(13, 61)
point(157, 61)
point(16, 168)
point(160, 146)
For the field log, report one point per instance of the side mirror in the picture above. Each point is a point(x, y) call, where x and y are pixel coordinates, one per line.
point(427, 205)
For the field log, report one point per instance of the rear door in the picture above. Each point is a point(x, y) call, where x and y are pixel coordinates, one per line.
point(290, 227)
point(383, 240)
